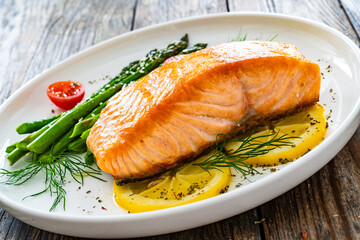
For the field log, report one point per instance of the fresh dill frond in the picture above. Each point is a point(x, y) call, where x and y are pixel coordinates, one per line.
point(273, 38)
point(55, 175)
point(251, 146)
point(241, 37)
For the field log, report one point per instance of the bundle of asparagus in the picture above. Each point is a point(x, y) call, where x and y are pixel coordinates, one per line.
point(56, 141)
point(51, 137)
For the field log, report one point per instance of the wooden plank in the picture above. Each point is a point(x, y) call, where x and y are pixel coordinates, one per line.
point(5, 223)
point(236, 228)
point(328, 12)
point(256, 6)
point(352, 10)
point(77, 23)
point(38, 34)
point(18, 230)
point(44, 235)
point(150, 12)
point(326, 205)
point(18, 44)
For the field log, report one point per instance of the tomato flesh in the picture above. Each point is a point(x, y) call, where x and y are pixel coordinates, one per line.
point(66, 94)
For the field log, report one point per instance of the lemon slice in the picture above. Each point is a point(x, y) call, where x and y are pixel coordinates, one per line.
point(188, 184)
point(309, 126)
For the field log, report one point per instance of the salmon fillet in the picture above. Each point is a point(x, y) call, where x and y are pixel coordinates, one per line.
point(176, 112)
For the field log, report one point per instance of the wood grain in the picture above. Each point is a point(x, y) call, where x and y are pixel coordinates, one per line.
point(256, 6)
point(236, 228)
point(321, 203)
point(150, 12)
point(326, 11)
point(38, 34)
point(324, 206)
point(352, 10)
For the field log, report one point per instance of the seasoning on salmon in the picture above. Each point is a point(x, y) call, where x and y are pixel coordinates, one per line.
point(177, 111)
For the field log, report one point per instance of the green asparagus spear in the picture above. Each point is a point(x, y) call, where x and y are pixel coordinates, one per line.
point(22, 145)
point(85, 134)
point(194, 48)
point(29, 127)
point(20, 149)
point(66, 121)
point(66, 140)
point(153, 59)
point(79, 145)
point(15, 155)
point(35, 157)
point(96, 110)
point(61, 145)
point(10, 148)
point(80, 141)
point(45, 157)
point(80, 148)
point(89, 157)
point(84, 125)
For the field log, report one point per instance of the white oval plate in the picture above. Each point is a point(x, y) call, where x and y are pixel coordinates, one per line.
point(86, 216)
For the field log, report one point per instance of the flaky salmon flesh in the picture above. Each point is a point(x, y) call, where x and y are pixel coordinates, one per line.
point(177, 111)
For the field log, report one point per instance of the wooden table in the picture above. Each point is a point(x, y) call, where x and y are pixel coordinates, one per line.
point(36, 34)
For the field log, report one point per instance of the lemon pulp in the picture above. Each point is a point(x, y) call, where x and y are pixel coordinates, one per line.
point(191, 183)
point(187, 184)
point(308, 126)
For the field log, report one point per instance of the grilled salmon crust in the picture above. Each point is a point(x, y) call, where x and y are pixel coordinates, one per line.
point(175, 113)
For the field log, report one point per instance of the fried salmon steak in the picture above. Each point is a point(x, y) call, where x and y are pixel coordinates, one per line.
point(176, 112)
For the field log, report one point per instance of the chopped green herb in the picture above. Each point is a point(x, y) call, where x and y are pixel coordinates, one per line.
point(249, 147)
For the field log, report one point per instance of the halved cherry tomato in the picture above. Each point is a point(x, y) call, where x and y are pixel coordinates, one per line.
point(66, 94)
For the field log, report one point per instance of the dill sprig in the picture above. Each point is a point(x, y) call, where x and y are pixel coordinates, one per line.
point(55, 172)
point(273, 38)
point(241, 37)
point(251, 146)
